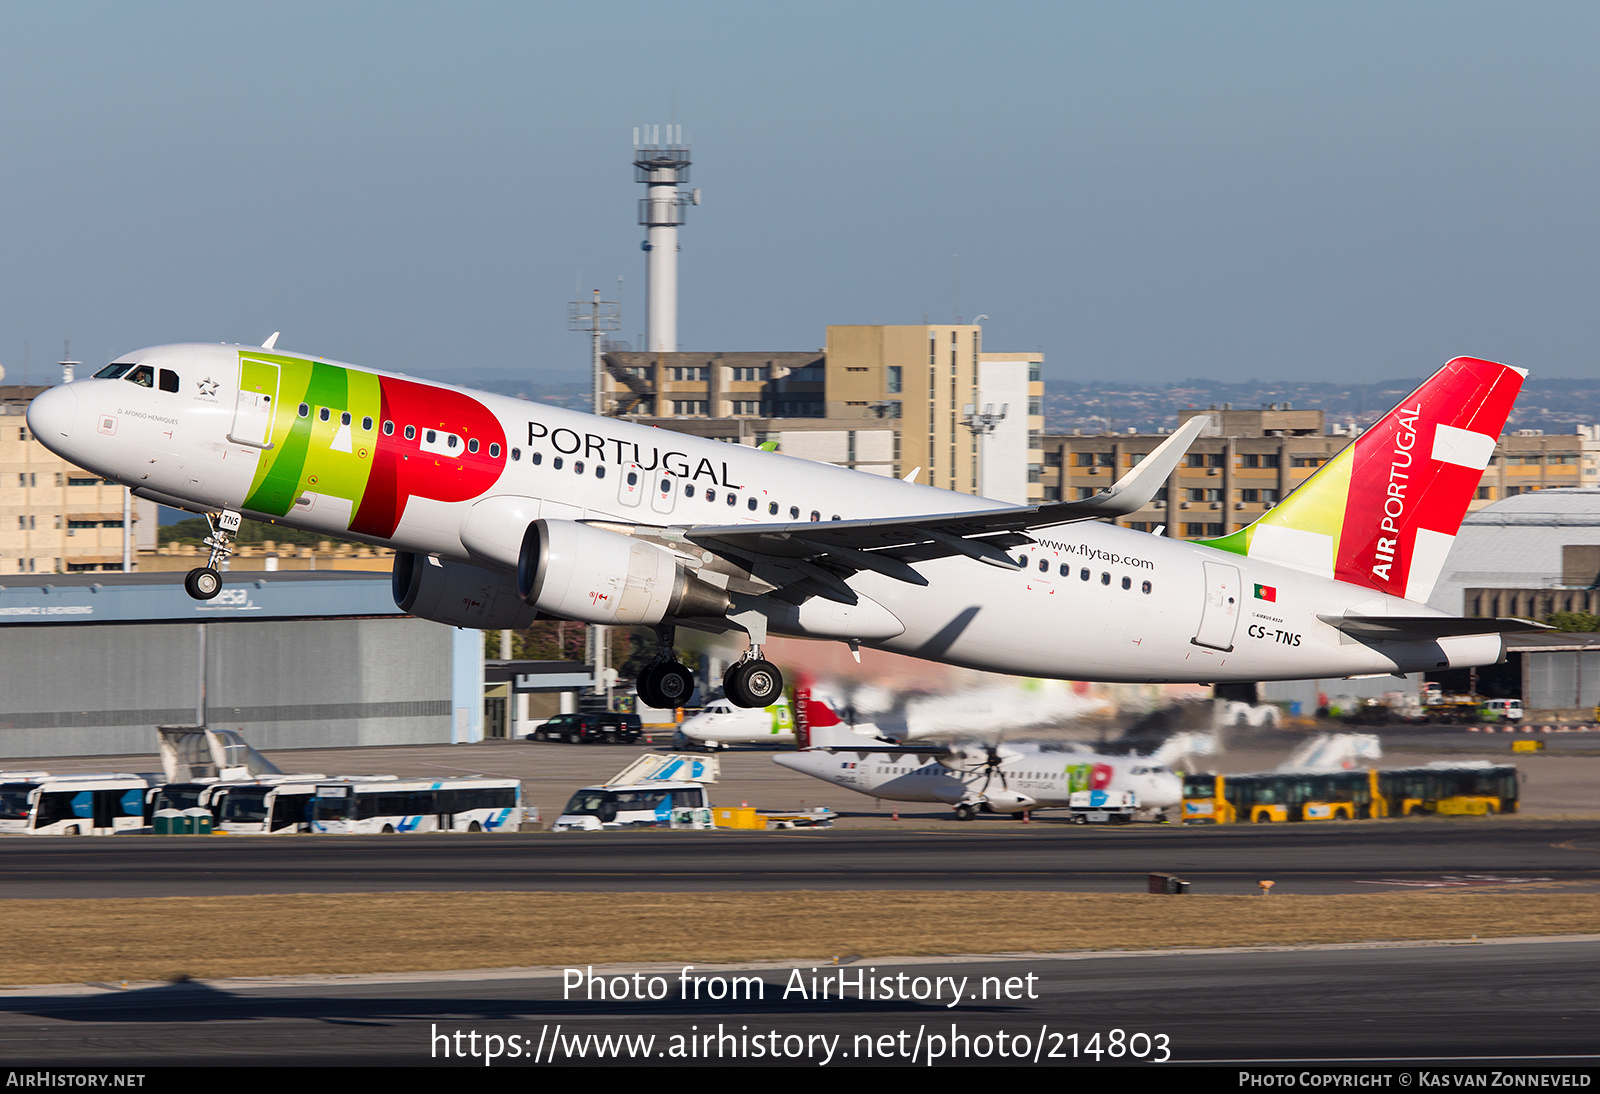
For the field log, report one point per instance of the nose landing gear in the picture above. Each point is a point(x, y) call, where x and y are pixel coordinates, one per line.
point(205, 582)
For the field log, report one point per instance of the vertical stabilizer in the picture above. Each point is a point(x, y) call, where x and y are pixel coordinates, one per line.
point(1384, 512)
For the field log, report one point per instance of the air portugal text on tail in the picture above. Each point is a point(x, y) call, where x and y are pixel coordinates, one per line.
point(499, 508)
point(1384, 511)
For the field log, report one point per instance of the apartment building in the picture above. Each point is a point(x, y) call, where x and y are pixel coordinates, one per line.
point(56, 518)
point(1249, 460)
point(879, 398)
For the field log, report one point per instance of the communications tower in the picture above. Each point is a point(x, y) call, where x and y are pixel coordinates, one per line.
point(661, 166)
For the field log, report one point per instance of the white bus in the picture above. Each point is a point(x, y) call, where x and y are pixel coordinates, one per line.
point(74, 805)
point(472, 804)
point(271, 807)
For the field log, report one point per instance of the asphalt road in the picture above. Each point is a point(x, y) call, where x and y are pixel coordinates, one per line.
point(1334, 858)
point(1528, 1003)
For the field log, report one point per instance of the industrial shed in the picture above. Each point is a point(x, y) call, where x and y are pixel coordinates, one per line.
point(91, 663)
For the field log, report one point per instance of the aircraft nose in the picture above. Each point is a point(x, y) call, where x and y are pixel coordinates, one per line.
point(51, 414)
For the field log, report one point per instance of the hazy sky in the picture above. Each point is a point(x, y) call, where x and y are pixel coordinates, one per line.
point(1143, 190)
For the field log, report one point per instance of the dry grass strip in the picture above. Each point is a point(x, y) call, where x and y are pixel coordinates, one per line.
point(62, 941)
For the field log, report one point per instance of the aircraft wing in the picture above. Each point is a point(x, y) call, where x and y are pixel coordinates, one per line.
point(876, 749)
point(1423, 627)
point(886, 545)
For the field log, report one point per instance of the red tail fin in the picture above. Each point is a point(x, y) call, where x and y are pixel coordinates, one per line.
point(1384, 511)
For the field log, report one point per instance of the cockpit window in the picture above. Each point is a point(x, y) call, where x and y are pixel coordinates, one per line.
point(143, 375)
point(169, 380)
point(113, 370)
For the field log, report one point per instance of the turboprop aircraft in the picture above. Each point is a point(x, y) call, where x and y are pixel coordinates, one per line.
point(721, 724)
point(998, 778)
point(499, 509)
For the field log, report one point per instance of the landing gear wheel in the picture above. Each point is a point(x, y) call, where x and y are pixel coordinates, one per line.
point(754, 683)
point(665, 685)
point(965, 812)
point(203, 583)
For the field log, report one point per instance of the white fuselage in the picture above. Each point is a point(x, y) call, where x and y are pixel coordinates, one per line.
point(1025, 778)
point(1091, 601)
point(722, 723)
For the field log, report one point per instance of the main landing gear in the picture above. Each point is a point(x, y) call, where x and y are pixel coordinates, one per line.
point(752, 681)
point(205, 582)
point(665, 684)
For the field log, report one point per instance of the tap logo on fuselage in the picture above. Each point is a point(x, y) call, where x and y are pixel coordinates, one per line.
point(376, 441)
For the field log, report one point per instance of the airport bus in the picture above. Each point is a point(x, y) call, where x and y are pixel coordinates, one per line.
point(472, 804)
point(173, 809)
point(1451, 789)
point(73, 805)
point(275, 807)
point(1445, 788)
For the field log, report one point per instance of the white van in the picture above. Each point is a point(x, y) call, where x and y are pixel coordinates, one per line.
point(636, 805)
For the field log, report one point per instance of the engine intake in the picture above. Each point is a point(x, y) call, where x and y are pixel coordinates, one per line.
point(579, 572)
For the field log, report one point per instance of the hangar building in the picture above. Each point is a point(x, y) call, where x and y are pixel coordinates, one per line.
point(90, 663)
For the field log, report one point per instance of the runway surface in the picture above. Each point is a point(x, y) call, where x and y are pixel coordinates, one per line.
point(999, 854)
point(1524, 1003)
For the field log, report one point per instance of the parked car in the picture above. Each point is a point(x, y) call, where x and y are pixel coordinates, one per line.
point(591, 728)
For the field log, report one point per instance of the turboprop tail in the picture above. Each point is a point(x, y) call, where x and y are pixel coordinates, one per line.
point(1384, 511)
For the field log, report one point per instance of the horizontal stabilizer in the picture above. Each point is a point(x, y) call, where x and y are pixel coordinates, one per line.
point(1400, 628)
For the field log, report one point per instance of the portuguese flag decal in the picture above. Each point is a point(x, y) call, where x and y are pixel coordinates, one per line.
point(1268, 593)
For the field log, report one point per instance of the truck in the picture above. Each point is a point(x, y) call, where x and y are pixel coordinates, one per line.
point(1102, 806)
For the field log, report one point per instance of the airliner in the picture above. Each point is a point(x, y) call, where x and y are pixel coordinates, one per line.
point(500, 510)
point(1013, 778)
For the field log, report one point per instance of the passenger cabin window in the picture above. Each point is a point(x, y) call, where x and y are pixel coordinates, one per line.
point(494, 451)
point(411, 432)
point(324, 414)
point(366, 425)
point(169, 380)
point(344, 418)
point(388, 429)
point(304, 411)
point(472, 445)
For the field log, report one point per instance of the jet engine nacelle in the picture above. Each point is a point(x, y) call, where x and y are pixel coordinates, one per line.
point(458, 594)
point(576, 571)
